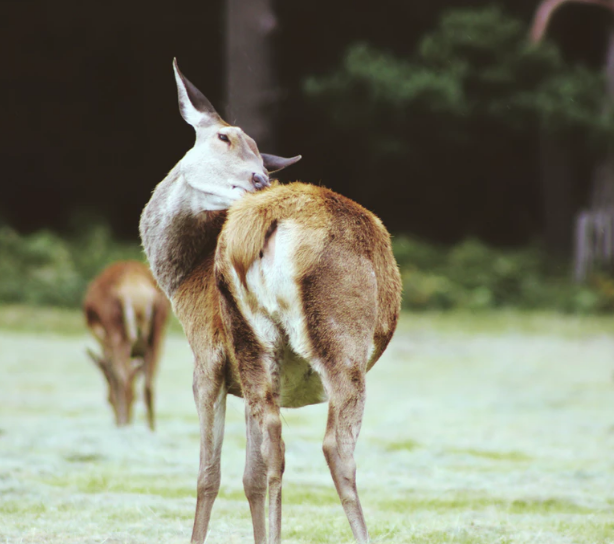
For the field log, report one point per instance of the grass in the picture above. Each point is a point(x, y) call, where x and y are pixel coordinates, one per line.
point(44, 319)
point(513, 456)
point(508, 320)
point(35, 319)
point(479, 428)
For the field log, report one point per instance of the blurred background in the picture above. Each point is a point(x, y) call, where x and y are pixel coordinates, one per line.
point(479, 132)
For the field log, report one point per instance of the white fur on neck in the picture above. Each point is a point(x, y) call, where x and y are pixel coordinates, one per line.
point(186, 197)
point(206, 189)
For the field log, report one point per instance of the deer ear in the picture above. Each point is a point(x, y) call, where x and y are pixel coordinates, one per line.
point(193, 105)
point(273, 163)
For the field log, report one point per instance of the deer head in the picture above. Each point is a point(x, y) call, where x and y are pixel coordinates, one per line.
point(120, 382)
point(224, 163)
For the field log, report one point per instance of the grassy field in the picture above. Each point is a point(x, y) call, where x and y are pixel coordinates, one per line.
point(487, 428)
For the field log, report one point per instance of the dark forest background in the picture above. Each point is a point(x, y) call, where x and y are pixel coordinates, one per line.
point(440, 116)
point(91, 123)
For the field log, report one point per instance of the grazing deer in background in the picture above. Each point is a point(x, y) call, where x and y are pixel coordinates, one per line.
point(126, 312)
point(288, 295)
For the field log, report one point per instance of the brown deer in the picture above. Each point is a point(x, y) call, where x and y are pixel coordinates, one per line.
point(288, 295)
point(126, 312)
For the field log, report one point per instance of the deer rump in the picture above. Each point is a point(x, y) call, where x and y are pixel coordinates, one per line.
point(304, 274)
point(127, 316)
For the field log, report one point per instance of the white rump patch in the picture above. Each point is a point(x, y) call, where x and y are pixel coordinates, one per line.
point(278, 319)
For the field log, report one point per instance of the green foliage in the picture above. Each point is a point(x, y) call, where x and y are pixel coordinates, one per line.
point(477, 67)
point(474, 276)
point(457, 125)
point(44, 269)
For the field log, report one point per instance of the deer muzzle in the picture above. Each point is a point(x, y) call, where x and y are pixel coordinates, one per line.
point(260, 181)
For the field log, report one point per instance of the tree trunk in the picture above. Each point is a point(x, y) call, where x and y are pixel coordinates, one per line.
point(557, 167)
point(251, 87)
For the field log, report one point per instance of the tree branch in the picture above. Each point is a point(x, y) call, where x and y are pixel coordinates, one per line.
point(546, 9)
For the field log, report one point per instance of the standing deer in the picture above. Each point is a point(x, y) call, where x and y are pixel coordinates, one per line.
point(288, 295)
point(126, 313)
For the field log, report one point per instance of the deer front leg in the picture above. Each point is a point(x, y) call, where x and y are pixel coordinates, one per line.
point(255, 477)
point(149, 401)
point(148, 370)
point(210, 396)
point(346, 407)
point(273, 452)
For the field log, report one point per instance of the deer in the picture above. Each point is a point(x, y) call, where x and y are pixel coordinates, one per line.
point(126, 313)
point(288, 294)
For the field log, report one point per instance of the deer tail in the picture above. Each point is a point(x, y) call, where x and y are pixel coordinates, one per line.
point(130, 324)
point(246, 238)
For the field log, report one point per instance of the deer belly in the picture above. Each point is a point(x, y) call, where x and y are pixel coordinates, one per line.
point(300, 383)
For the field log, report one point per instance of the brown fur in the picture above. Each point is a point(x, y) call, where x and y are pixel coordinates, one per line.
point(350, 294)
point(347, 277)
point(349, 287)
point(340, 243)
point(127, 313)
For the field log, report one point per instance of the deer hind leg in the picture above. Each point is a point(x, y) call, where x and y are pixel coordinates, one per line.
point(266, 451)
point(210, 397)
point(255, 477)
point(259, 369)
point(345, 411)
point(340, 311)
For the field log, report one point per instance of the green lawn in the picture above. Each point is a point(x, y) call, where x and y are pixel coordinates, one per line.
point(479, 428)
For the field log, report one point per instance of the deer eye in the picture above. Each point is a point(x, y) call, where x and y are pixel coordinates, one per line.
point(223, 137)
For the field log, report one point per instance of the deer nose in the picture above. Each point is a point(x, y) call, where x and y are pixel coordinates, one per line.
point(260, 181)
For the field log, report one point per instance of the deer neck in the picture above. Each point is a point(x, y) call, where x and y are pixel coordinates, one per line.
point(178, 234)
